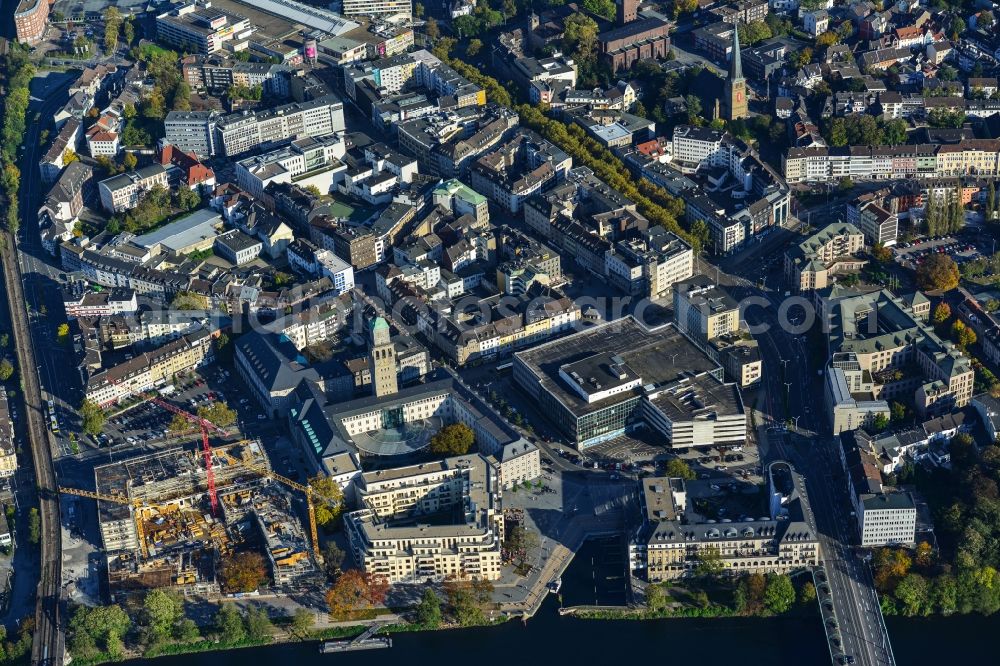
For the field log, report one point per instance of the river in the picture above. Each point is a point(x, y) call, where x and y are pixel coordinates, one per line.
point(549, 637)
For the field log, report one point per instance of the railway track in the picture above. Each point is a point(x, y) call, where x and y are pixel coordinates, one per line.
point(48, 645)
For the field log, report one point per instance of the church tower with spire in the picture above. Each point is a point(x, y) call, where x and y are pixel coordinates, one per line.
point(736, 85)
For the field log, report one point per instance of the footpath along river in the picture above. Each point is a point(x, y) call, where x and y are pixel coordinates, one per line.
point(551, 638)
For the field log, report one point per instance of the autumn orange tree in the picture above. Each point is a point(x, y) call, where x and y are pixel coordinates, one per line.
point(355, 590)
point(243, 572)
point(891, 566)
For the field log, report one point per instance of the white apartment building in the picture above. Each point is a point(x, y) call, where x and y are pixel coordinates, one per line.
point(651, 266)
point(103, 142)
point(191, 131)
point(237, 247)
point(517, 463)
point(693, 146)
point(468, 548)
point(124, 191)
point(238, 133)
point(887, 519)
point(307, 161)
point(198, 27)
point(340, 272)
point(875, 222)
point(396, 8)
point(103, 303)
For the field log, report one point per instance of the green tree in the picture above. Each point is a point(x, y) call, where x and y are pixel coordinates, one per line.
point(679, 469)
point(98, 628)
point(914, 594)
point(603, 8)
point(898, 412)
point(6, 370)
point(580, 38)
point(894, 132)
point(129, 161)
point(34, 526)
point(302, 622)
point(328, 499)
point(807, 594)
point(160, 610)
point(218, 413)
point(258, 624)
point(112, 24)
point(187, 199)
point(181, 100)
point(453, 440)
point(753, 32)
point(229, 623)
point(880, 423)
point(93, 417)
point(186, 630)
point(656, 597)
point(520, 541)
point(431, 29)
point(962, 335)
point(701, 234)
point(474, 47)
point(942, 313)
point(429, 610)
point(188, 300)
point(779, 595)
point(243, 572)
point(128, 31)
point(154, 105)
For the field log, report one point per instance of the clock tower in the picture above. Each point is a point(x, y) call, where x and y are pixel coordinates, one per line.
point(736, 85)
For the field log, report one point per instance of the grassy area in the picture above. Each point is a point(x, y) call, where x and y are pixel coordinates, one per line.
point(206, 645)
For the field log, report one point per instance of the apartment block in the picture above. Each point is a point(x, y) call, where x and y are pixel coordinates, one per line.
point(395, 8)
point(704, 310)
point(879, 225)
point(242, 132)
point(882, 350)
point(384, 541)
point(197, 27)
point(124, 191)
point(191, 131)
point(150, 370)
point(673, 536)
point(31, 17)
point(813, 263)
point(931, 160)
point(306, 161)
point(649, 266)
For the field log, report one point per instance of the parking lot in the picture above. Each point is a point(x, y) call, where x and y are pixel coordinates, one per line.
point(912, 255)
point(147, 424)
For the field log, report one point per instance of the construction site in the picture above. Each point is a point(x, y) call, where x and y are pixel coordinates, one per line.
point(168, 520)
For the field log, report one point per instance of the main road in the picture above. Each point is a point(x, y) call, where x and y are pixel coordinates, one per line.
point(793, 391)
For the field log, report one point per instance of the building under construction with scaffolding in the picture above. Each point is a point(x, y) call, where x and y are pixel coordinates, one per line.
point(161, 532)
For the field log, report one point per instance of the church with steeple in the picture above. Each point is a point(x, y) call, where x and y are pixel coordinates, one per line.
point(735, 89)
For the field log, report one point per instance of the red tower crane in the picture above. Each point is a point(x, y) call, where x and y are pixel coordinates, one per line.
point(206, 449)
